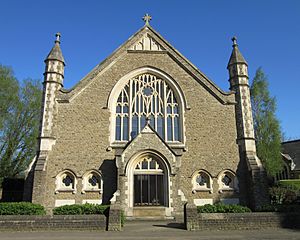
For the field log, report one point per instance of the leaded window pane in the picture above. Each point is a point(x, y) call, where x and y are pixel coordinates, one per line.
point(152, 121)
point(152, 164)
point(175, 109)
point(145, 164)
point(226, 180)
point(125, 128)
point(143, 122)
point(118, 128)
point(160, 125)
point(169, 128)
point(125, 109)
point(201, 180)
point(147, 97)
point(118, 109)
point(169, 109)
point(93, 181)
point(176, 128)
point(134, 126)
point(67, 181)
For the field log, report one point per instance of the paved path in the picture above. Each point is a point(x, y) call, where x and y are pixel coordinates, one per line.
point(154, 230)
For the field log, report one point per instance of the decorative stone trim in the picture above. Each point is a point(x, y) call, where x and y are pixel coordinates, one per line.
point(228, 182)
point(92, 182)
point(202, 182)
point(65, 181)
point(147, 43)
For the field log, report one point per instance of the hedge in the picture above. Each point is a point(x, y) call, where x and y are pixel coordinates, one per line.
point(222, 208)
point(21, 208)
point(293, 184)
point(80, 209)
point(280, 208)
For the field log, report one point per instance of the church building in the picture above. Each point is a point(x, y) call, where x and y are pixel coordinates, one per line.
point(148, 131)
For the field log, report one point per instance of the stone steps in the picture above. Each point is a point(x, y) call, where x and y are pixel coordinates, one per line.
point(149, 213)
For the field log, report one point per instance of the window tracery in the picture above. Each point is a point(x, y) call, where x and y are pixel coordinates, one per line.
point(65, 182)
point(92, 182)
point(227, 181)
point(148, 164)
point(202, 182)
point(147, 97)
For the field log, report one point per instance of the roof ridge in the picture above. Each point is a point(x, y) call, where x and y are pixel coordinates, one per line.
point(172, 52)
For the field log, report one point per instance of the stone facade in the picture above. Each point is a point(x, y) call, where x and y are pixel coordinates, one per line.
point(77, 126)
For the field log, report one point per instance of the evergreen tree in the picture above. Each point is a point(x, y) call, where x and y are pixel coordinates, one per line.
point(20, 106)
point(266, 125)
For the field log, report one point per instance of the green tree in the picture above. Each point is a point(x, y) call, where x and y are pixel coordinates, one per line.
point(8, 93)
point(266, 125)
point(20, 107)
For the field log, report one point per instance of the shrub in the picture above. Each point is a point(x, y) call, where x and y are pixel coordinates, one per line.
point(292, 185)
point(278, 194)
point(80, 209)
point(21, 208)
point(222, 208)
point(279, 208)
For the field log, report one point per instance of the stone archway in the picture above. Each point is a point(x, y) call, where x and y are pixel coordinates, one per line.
point(148, 186)
point(150, 182)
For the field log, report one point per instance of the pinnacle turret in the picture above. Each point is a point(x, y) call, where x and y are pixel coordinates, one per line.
point(236, 56)
point(55, 53)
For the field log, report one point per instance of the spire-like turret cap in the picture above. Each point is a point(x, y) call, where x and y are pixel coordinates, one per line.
point(55, 53)
point(236, 56)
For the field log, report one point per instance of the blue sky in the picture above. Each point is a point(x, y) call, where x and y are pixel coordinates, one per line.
point(268, 35)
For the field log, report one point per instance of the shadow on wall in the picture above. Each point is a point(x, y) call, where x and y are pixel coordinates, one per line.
point(12, 190)
point(109, 174)
point(291, 221)
point(245, 182)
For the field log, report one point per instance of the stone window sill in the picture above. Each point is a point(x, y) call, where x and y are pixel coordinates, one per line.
point(228, 190)
point(91, 190)
point(202, 190)
point(65, 190)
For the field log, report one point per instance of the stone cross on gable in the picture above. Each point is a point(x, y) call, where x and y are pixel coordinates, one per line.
point(147, 18)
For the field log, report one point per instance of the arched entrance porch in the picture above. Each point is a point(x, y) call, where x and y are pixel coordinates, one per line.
point(148, 186)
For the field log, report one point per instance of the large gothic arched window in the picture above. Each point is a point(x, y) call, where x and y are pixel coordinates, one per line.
point(147, 96)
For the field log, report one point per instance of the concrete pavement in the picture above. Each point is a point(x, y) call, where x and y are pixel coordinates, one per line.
point(154, 230)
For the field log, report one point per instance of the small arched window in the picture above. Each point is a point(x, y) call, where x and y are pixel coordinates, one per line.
point(147, 97)
point(202, 181)
point(227, 181)
point(92, 182)
point(65, 182)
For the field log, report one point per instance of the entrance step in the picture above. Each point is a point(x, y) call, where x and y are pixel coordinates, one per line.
point(149, 213)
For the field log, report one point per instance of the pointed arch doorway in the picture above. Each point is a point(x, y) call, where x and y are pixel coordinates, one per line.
point(148, 185)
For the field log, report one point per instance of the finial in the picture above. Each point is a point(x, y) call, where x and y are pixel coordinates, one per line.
point(57, 35)
point(147, 18)
point(234, 42)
